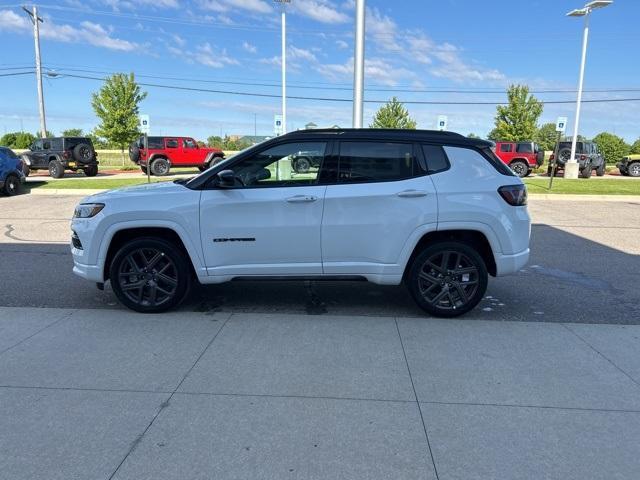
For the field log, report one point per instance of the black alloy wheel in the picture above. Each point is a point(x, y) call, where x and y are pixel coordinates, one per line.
point(150, 275)
point(448, 279)
point(520, 168)
point(12, 185)
point(302, 165)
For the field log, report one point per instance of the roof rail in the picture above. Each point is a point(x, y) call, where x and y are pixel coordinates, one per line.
point(385, 130)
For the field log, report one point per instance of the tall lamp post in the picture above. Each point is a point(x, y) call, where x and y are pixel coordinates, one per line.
point(283, 5)
point(35, 19)
point(571, 167)
point(358, 66)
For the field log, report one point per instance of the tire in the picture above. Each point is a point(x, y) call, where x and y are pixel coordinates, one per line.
point(91, 170)
point(160, 167)
point(56, 169)
point(633, 169)
point(144, 169)
point(134, 153)
point(600, 171)
point(11, 185)
point(586, 172)
point(301, 165)
point(204, 167)
point(564, 155)
point(520, 168)
point(83, 153)
point(150, 275)
point(430, 270)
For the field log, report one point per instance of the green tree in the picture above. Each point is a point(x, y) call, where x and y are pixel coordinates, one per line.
point(214, 141)
point(518, 120)
point(546, 136)
point(116, 105)
point(72, 132)
point(393, 114)
point(472, 135)
point(17, 140)
point(612, 147)
point(635, 148)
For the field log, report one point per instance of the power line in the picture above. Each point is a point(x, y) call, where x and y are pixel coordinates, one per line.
point(329, 99)
point(14, 74)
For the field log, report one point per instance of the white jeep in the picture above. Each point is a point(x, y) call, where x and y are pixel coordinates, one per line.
point(433, 209)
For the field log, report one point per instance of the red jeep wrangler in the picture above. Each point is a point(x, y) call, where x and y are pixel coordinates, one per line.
point(167, 152)
point(522, 157)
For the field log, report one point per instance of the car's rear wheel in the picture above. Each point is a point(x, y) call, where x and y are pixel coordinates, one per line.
point(633, 170)
point(160, 167)
point(56, 169)
point(11, 185)
point(448, 279)
point(600, 171)
point(520, 168)
point(150, 275)
point(586, 172)
point(91, 170)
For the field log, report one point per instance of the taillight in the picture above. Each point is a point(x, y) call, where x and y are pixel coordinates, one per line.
point(583, 157)
point(552, 157)
point(514, 195)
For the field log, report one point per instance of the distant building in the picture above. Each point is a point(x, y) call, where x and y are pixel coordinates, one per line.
point(312, 125)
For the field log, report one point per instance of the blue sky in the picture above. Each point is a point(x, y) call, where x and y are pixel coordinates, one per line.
point(413, 49)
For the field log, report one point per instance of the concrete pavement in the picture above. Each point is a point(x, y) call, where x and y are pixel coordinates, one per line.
point(110, 394)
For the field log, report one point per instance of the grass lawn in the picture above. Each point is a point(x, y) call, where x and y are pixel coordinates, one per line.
point(584, 186)
point(93, 183)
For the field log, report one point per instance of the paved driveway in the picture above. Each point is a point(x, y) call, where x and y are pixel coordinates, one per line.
point(100, 394)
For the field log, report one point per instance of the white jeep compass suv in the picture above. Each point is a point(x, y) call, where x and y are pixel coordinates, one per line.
point(433, 209)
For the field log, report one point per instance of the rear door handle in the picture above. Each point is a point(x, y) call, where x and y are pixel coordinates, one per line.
point(412, 194)
point(302, 199)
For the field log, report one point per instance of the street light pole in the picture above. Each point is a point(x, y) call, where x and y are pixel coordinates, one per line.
point(36, 36)
point(572, 167)
point(283, 4)
point(358, 65)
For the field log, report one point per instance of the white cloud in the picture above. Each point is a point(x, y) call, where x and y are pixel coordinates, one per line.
point(249, 47)
point(377, 70)
point(256, 6)
point(342, 45)
point(87, 32)
point(296, 53)
point(322, 11)
point(205, 54)
point(118, 5)
point(181, 42)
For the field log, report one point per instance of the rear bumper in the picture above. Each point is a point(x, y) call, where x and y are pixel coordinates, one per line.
point(507, 264)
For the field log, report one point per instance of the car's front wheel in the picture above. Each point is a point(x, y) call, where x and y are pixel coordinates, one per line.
point(586, 172)
point(448, 279)
point(150, 275)
point(11, 185)
point(56, 169)
point(633, 170)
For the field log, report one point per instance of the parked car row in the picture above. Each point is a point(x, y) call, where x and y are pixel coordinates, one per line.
point(11, 172)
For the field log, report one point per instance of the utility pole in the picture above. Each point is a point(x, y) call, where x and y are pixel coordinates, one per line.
point(33, 15)
point(283, 15)
point(358, 66)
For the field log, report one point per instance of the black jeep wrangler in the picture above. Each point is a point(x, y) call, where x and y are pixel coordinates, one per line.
point(588, 156)
point(62, 153)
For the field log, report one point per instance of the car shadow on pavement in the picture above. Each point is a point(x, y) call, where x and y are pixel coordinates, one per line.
point(569, 279)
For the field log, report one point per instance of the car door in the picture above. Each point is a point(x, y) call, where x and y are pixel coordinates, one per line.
point(173, 150)
point(189, 152)
point(38, 155)
point(269, 222)
point(382, 201)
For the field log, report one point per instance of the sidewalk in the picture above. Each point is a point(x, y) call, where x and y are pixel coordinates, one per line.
point(95, 393)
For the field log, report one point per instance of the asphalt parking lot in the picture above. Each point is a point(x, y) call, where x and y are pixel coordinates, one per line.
point(583, 268)
point(325, 380)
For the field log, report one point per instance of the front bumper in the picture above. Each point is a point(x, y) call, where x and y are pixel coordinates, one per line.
point(622, 166)
point(88, 272)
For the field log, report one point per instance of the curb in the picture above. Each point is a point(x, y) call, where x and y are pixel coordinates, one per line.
point(589, 198)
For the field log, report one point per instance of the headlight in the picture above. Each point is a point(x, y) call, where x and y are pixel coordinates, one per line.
point(88, 210)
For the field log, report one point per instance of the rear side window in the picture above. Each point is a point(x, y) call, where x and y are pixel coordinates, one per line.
point(505, 147)
point(478, 162)
point(436, 158)
point(376, 162)
point(524, 148)
point(154, 142)
point(172, 143)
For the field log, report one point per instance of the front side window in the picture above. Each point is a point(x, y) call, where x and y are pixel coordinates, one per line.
point(376, 162)
point(37, 145)
point(46, 145)
point(281, 165)
point(505, 147)
point(189, 143)
point(172, 143)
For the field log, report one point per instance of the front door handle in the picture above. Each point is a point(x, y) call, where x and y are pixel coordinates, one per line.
point(302, 199)
point(412, 194)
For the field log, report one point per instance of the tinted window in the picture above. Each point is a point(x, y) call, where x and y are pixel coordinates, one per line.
point(477, 163)
point(579, 146)
point(524, 148)
point(37, 145)
point(505, 147)
point(154, 142)
point(275, 166)
point(436, 158)
point(56, 144)
point(46, 144)
point(189, 143)
point(376, 162)
point(172, 143)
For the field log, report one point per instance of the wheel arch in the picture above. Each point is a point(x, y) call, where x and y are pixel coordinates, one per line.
point(473, 238)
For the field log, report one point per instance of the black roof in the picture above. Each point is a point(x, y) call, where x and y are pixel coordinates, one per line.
point(435, 136)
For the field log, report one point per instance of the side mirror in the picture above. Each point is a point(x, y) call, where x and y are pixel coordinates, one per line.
point(226, 179)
